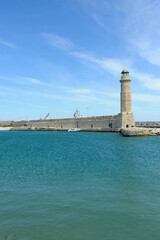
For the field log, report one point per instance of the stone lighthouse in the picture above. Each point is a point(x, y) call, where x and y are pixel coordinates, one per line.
point(127, 116)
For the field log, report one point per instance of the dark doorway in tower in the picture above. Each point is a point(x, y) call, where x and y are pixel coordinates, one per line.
point(127, 126)
point(110, 125)
point(91, 125)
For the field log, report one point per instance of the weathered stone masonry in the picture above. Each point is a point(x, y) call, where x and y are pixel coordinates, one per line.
point(103, 123)
point(113, 123)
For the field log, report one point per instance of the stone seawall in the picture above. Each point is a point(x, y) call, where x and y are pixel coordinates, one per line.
point(102, 123)
point(140, 132)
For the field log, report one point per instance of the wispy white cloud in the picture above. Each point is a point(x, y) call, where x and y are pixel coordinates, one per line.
point(142, 23)
point(92, 92)
point(147, 80)
point(148, 51)
point(99, 21)
point(84, 95)
point(111, 97)
point(8, 44)
point(142, 97)
point(25, 103)
point(58, 42)
point(96, 99)
point(99, 11)
point(135, 22)
point(31, 93)
point(25, 80)
point(95, 5)
point(80, 96)
point(115, 66)
point(78, 91)
point(111, 65)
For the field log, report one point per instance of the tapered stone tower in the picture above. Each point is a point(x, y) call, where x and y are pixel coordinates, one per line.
point(127, 117)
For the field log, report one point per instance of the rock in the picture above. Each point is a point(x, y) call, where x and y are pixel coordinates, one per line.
point(154, 131)
point(136, 131)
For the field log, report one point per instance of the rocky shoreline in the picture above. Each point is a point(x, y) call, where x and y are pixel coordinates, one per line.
point(127, 132)
point(140, 132)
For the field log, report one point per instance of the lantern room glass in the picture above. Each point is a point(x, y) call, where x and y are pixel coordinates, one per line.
point(125, 74)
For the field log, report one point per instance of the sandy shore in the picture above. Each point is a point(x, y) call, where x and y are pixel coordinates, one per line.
point(5, 128)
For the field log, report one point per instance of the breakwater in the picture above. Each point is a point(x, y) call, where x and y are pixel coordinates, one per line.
point(92, 124)
point(103, 123)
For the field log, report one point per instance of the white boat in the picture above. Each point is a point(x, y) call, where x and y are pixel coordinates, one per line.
point(74, 130)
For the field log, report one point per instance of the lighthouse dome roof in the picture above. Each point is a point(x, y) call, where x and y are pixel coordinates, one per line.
point(125, 71)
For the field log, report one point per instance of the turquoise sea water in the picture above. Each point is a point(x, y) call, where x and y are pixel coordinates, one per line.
point(79, 186)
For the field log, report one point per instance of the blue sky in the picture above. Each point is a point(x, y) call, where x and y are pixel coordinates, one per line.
point(59, 55)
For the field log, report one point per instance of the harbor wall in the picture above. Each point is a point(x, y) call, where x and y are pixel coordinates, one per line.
point(102, 123)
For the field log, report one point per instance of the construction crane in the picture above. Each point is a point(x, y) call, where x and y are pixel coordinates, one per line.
point(48, 116)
